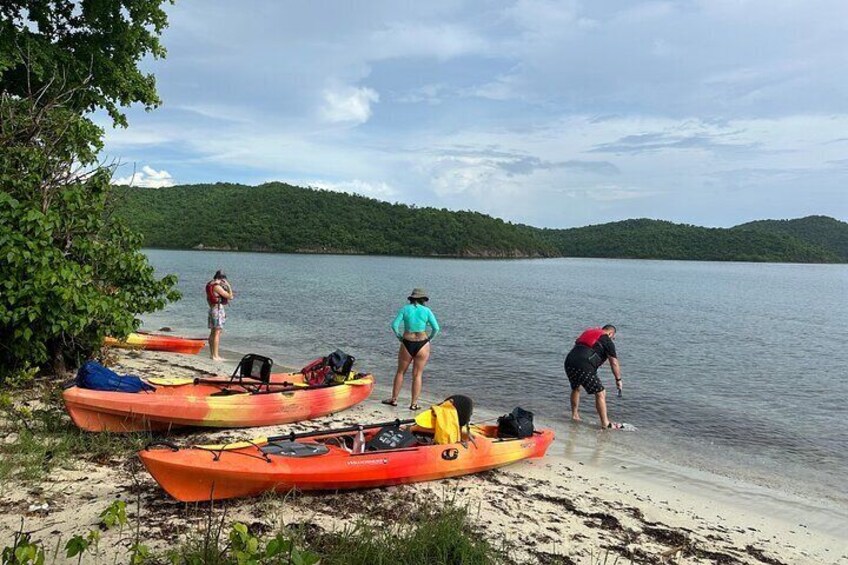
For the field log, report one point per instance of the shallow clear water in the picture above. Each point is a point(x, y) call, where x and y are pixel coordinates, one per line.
point(734, 368)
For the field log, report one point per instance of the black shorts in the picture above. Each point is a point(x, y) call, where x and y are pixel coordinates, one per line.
point(581, 372)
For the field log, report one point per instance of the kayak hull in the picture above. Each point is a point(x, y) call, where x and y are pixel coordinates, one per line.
point(197, 474)
point(204, 405)
point(158, 342)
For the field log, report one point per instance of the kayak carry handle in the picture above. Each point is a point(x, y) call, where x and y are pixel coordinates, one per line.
point(168, 444)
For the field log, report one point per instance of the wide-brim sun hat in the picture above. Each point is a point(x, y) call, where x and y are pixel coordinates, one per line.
point(419, 293)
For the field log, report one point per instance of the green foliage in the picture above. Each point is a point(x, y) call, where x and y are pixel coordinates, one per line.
point(247, 549)
point(243, 548)
point(69, 272)
point(284, 218)
point(441, 536)
point(22, 551)
point(93, 47)
point(654, 239)
point(114, 514)
point(78, 545)
point(39, 436)
point(829, 233)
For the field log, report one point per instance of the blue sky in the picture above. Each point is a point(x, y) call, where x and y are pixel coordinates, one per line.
point(555, 114)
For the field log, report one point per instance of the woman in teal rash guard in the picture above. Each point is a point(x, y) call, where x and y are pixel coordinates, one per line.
point(415, 343)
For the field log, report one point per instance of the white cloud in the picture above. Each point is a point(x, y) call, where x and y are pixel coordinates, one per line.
point(443, 41)
point(148, 177)
point(348, 104)
point(378, 190)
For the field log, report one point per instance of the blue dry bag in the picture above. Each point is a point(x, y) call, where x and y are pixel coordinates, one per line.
point(95, 376)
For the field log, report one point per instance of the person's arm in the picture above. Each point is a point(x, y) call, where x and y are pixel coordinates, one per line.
point(227, 292)
point(396, 324)
point(616, 371)
point(434, 325)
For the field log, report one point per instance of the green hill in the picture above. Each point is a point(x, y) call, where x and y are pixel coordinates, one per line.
point(284, 218)
point(822, 231)
point(656, 239)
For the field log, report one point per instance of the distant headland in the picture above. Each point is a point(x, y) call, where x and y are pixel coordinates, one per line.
point(277, 217)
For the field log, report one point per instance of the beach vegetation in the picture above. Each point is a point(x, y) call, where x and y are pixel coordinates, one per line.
point(444, 537)
point(70, 270)
point(36, 435)
point(436, 534)
point(278, 217)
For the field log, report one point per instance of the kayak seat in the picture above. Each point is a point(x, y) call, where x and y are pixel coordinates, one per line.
point(294, 449)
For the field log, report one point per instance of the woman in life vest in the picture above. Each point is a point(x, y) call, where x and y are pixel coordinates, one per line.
point(591, 350)
point(218, 294)
point(414, 343)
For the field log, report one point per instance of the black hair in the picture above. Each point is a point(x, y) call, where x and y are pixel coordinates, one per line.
point(610, 327)
point(421, 300)
point(220, 275)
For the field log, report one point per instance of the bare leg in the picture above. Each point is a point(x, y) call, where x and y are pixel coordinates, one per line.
point(575, 404)
point(404, 359)
point(214, 340)
point(601, 407)
point(418, 365)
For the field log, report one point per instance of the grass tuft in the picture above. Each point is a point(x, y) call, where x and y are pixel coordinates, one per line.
point(438, 535)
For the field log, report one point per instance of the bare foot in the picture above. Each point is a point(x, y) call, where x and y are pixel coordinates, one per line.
point(218, 359)
point(575, 417)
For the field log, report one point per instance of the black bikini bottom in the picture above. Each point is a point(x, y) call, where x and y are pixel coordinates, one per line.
point(413, 347)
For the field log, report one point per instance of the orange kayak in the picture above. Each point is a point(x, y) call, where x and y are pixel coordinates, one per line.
point(326, 463)
point(158, 342)
point(216, 403)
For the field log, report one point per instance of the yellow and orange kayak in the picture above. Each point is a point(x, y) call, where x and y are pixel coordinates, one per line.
point(158, 342)
point(216, 403)
point(327, 463)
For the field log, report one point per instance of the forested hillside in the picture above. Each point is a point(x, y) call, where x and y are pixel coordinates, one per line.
point(818, 230)
point(654, 239)
point(284, 218)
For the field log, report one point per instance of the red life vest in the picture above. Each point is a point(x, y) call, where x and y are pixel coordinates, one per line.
point(590, 337)
point(212, 297)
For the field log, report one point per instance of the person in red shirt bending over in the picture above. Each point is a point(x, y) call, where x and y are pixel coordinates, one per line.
point(591, 349)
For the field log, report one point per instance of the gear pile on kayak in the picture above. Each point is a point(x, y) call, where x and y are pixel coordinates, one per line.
point(253, 396)
point(439, 443)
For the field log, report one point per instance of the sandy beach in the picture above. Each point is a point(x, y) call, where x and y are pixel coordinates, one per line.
point(560, 509)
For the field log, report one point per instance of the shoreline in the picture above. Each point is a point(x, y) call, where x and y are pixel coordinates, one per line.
point(560, 507)
point(488, 257)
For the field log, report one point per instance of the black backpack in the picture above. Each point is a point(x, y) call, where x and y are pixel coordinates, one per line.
point(340, 362)
point(332, 369)
point(516, 424)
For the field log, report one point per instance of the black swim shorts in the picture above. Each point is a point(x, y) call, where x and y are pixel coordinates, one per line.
point(581, 372)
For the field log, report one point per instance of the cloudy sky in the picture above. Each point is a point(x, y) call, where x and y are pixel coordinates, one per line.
point(555, 114)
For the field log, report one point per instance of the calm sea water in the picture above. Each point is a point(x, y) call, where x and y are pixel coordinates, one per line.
point(734, 368)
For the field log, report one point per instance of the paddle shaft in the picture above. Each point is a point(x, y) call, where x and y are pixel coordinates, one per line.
point(301, 435)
